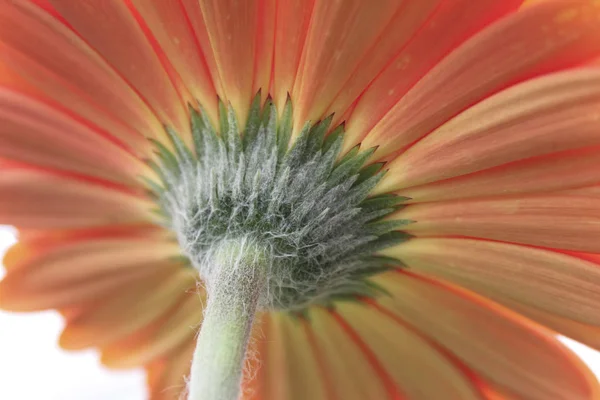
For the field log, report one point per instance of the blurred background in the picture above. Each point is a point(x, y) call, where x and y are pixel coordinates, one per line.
point(32, 366)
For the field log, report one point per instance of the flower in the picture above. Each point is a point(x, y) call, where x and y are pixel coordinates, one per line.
point(406, 190)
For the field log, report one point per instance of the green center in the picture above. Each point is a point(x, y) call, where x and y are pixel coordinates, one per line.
point(304, 203)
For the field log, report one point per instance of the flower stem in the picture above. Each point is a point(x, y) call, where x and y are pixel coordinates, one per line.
point(235, 284)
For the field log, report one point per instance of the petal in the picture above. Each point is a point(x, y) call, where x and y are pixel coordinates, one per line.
point(439, 35)
point(174, 329)
point(31, 198)
point(253, 383)
point(265, 47)
point(73, 272)
point(534, 41)
point(350, 372)
point(552, 282)
point(167, 378)
point(170, 25)
point(126, 311)
point(291, 369)
point(493, 392)
point(569, 172)
point(553, 221)
point(35, 243)
point(402, 26)
point(339, 35)
point(195, 19)
point(234, 34)
point(592, 190)
point(35, 133)
point(411, 362)
point(60, 64)
point(111, 29)
point(291, 26)
point(550, 114)
point(500, 345)
point(584, 333)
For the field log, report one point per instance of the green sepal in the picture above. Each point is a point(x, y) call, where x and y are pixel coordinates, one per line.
point(368, 171)
point(349, 165)
point(317, 135)
point(381, 227)
point(254, 121)
point(336, 135)
point(284, 129)
point(383, 201)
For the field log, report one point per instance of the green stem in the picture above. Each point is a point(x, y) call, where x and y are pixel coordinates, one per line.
point(235, 285)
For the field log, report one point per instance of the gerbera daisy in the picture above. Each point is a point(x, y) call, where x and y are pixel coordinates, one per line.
point(360, 199)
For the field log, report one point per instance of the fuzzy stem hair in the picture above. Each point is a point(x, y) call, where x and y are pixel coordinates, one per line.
point(236, 281)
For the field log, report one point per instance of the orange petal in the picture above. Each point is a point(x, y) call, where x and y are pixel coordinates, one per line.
point(435, 39)
point(31, 198)
point(253, 384)
point(292, 19)
point(409, 359)
point(500, 345)
point(545, 115)
point(291, 369)
point(35, 243)
point(493, 392)
point(76, 271)
point(195, 19)
point(592, 190)
point(35, 133)
point(175, 328)
point(17, 295)
point(401, 29)
point(125, 311)
point(348, 369)
point(167, 378)
point(553, 282)
point(169, 23)
point(111, 29)
point(557, 172)
point(234, 34)
point(44, 51)
point(339, 35)
point(47, 7)
point(584, 333)
point(553, 221)
point(265, 46)
point(548, 37)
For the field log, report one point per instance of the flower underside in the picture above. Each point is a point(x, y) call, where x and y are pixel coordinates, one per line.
point(302, 202)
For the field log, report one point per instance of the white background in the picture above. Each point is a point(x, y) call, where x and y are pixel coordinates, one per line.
point(32, 367)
